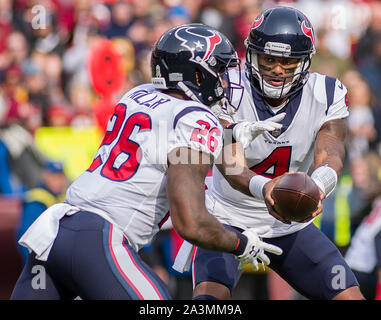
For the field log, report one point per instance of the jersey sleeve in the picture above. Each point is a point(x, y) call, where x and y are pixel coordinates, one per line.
point(197, 129)
point(338, 109)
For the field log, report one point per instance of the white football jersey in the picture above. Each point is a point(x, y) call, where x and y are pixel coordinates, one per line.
point(361, 255)
point(291, 149)
point(126, 183)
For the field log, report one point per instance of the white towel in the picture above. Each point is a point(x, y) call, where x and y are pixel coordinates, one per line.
point(184, 257)
point(40, 236)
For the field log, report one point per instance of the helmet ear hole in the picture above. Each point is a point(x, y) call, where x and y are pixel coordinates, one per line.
point(199, 77)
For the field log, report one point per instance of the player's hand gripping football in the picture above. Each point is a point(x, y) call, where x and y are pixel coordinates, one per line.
point(245, 132)
point(269, 201)
point(319, 209)
point(255, 249)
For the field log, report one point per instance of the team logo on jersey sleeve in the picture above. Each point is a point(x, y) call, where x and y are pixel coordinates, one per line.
point(201, 46)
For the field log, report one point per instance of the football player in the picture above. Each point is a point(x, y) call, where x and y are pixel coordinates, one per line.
point(153, 158)
point(276, 79)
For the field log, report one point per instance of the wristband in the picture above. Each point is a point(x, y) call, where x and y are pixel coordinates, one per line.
point(326, 179)
point(240, 245)
point(256, 184)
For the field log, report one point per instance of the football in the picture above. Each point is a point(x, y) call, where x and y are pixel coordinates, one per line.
point(296, 196)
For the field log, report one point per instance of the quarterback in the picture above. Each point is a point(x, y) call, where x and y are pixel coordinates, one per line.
point(276, 79)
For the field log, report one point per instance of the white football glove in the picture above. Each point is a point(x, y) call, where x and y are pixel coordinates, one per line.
point(255, 249)
point(245, 132)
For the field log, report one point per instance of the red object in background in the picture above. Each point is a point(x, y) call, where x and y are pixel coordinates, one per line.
point(107, 76)
point(66, 17)
point(242, 25)
point(5, 30)
point(106, 68)
point(103, 109)
point(59, 115)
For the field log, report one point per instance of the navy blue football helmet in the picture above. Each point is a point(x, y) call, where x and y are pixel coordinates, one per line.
point(280, 32)
point(185, 50)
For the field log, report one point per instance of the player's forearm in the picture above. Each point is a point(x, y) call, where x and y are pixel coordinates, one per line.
point(208, 233)
point(329, 151)
point(239, 178)
point(329, 155)
point(232, 165)
point(190, 218)
point(193, 222)
point(329, 146)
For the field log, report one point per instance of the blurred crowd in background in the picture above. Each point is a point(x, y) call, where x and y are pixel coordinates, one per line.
point(45, 82)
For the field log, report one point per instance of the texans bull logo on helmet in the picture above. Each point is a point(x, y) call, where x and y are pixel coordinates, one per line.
point(308, 32)
point(257, 22)
point(203, 47)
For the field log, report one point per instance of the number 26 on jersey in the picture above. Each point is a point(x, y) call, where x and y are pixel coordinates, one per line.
point(124, 157)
